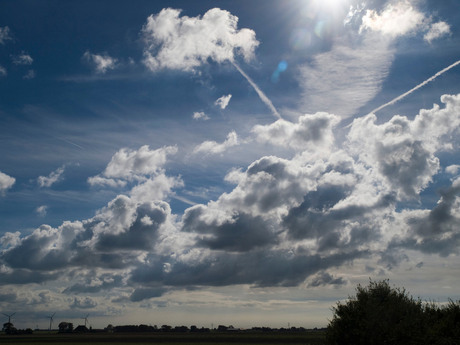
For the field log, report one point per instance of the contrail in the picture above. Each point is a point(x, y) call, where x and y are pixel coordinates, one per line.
point(262, 96)
point(393, 101)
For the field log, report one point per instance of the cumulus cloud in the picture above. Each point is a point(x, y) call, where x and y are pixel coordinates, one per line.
point(128, 165)
point(402, 18)
point(52, 178)
point(395, 20)
point(6, 182)
point(22, 59)
point(102, 63)
point(223, 101)
point(286, 221)
point(310, 132)
point(185, 43)
point(200, 115)
point(41, 210)
point(436, 31)
point(212, 147)
point(453, 169)
point(3, 71)
point(4, 34)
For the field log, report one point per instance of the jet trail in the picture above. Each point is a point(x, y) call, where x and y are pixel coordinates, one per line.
point(262, 96)
point(393, 101)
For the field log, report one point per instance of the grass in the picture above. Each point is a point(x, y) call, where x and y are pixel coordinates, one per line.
point(213, 338)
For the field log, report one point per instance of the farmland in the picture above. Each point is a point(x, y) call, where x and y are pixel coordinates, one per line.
point(212, 338)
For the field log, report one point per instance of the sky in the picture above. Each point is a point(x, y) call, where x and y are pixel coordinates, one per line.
point(243, 163)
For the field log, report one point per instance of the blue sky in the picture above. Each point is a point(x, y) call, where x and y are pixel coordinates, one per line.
point(232, 162)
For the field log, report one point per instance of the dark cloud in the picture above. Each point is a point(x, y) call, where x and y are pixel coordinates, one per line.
point(8, 297)
point(436, 231)
point(324, 278)
point(406, 165)
point(141, 233)
point(23, 276)
point(242, 232)
point(83, 303)
point(258, 267)
point(146, 293)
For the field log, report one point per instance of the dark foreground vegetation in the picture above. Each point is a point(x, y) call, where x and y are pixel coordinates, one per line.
point(377, 315)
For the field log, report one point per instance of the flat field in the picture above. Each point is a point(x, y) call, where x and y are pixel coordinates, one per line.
point(213, 338)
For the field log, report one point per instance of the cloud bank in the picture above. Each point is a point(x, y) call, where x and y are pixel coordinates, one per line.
point(286, 221)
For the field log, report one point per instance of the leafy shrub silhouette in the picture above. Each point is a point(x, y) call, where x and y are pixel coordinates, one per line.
point(380, 314)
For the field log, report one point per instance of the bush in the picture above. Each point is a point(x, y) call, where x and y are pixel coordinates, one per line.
point(377, 315)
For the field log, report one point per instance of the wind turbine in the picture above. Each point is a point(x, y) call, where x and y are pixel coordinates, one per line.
point(51, 320)
point(9, 316)
point(85, 318)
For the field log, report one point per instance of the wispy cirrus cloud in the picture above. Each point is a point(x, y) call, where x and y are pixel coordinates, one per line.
point(22, 59)
point(346, 77)
point(5, 34)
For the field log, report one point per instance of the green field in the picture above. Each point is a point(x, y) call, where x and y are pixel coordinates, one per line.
point(213, 338)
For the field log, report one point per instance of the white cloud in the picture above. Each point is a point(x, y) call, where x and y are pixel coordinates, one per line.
point(223, 101)
point(52, 178)
point(143, 165)
point(212, 147)
point(6, 182)
point(185, 43)
point(102, 63)
point(200, 115)
point(395, 20)
point(4, 34)
point(3, 71)
point(312, 132)
point(403, 151)
point(103, 181)
point(453, 169)
point(22, 59)
point(132, 163)
point(10, 239)
point(41, 210)
point(437, 30)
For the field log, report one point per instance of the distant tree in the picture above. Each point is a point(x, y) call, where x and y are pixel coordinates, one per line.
point(166, 328)
point(378, 314)
point(65, 327)
point(9, 328)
